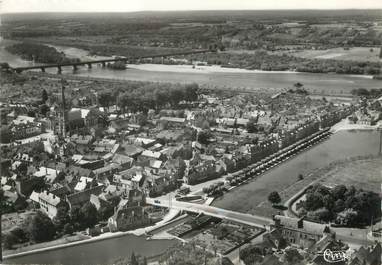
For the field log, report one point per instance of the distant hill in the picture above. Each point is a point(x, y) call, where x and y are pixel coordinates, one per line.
point(212, 15)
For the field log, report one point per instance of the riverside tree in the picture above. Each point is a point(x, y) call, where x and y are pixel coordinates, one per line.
point(40, 228)
point(89, 215)
point(274, 197)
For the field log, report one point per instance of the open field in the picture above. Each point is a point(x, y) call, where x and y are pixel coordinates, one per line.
point(58, 242)
point(11, 220)
point(365, 173)
point(360, 54)
point(312, 164)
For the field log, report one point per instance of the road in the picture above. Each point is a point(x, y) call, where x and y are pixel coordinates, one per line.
point(357, 237)
point(243, 218)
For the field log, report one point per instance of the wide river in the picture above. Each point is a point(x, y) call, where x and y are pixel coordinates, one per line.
point(208, 75)
point(245, 198)
point(97, 252)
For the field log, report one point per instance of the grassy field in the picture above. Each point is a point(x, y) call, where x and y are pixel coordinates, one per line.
point(365, 173)
point(361, 54)
point(11, 220)
point(61, 241)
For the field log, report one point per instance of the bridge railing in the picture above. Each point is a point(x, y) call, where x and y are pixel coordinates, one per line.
point(103, 61)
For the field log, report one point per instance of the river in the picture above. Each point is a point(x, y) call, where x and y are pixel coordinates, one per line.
point(210, 76)
point(340, 145)
point(97, 252)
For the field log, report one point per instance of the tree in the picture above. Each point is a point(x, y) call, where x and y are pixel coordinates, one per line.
point(5, 134)
point(40, 228)
point(142, 119)
point(75, 215)
point(292, 256)
point(328, 201)
point(133, 259)
point(204, 136)
point(44, 96)
point(339, 191)
point(20, 234)
point(88, 215)
point(9, 240)
point(44, 109)
point(274, 197)
point(22, 169)
point(105, 99)
point(313, 201)
point(339, 206)
point(37, 148)
point(251, 254)
point(191, 92)
point(61, 218)
point(251, 126)
point(321, 214)
point(300, 177)
point(105, 212)
point(68, 229)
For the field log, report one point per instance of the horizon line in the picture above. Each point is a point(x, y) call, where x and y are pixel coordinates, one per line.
point(195, 10)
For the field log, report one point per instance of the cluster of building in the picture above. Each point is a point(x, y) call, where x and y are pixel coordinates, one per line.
point(296, 241)
point(96, 154)
point(370, 112)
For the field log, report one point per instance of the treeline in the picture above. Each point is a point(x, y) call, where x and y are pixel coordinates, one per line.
point(261, 60)
point(119, 65)
point(367, 92)
point(344, 205)
point(40, 228)
point(145, 96)
point(39, 53)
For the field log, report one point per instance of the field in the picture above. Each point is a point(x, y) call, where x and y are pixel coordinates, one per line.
point(365, 173)
point(360, 54)
point(313, 164)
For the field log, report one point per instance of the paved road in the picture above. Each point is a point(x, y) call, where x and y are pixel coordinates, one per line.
point(243, 218)
point(358, 236)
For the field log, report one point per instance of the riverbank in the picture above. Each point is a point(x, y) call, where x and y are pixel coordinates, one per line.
point(62, 244)
point(206, 69)
point(345, 125)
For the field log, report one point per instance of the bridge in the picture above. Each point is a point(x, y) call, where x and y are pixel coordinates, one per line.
point(349, 235)
point(243, 218)
point(75, 65)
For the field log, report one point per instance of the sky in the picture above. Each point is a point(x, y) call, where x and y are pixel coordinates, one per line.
point(13, 6)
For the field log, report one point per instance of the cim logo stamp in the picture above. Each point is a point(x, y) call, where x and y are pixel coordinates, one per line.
point(335, 256)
